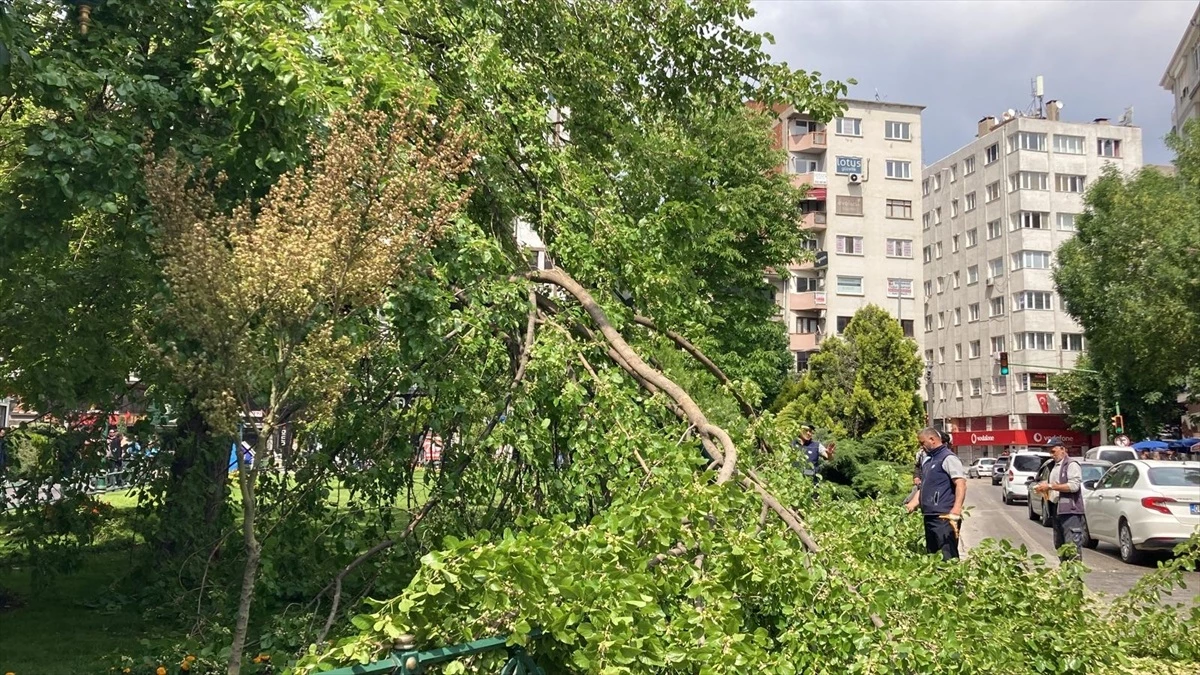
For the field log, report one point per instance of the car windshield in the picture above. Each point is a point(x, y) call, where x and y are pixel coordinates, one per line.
point(1115, 456)
point(1175, 476)
point(1027, 463)
point(987, 461)
point(1092, 472)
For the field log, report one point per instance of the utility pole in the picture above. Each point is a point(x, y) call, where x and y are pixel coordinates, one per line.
point(1103, 426)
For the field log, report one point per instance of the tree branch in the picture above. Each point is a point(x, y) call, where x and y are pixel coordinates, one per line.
point(686, 345)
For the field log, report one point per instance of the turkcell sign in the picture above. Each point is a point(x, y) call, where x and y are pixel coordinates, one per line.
point(849, 165)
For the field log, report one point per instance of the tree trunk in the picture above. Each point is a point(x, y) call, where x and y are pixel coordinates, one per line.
point(246, 475)
point(196, 493)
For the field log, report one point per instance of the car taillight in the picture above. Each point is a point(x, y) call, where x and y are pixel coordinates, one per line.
point(1156, 504)
point(1011, 476)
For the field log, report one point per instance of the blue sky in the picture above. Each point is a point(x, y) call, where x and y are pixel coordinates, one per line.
point(965, 59)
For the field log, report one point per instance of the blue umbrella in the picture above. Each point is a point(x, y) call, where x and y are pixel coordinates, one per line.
point(1150, 445)
point(1189, 442)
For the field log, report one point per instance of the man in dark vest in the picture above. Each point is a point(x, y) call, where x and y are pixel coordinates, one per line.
point(812, 452)
point(1064, 498)
point(942, 492)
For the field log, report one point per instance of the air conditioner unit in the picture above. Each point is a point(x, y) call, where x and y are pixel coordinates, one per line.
point(855, 178)
point(991, 281)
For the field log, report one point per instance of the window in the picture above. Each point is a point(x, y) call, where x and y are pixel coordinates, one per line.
point(937, 216)
point(1066, 221)
point(992, 192)
point(941, 355)
point(958, 352)
point(842, 323)
point(808, 325)
point(849, 286)
point(929, 356)
point(972, 237)
point(849, 245)
point(1068, 145)
point(1072, 342)
point(1033, 300)
point(941, 286)
point(899, 208)
point(954, 244)
point(805, 284)
point(925, 220)
point(928, 322)
point(1027, 140)
point(1031, 260)
point(810, 244)
point(995, 268)
point(900, 287)
point(1028, 180)
point(973, 349)
point(848, 126)
point(899, 248)
point(991, 154)
point(953, 173)
point(937, 250)
point(1031, 220)
point(994, 230)
point(941, 320)
point(958, 389)
point(846, 205)
point(906, 327)
point(927, 254)
point(937, 181)
point(953, 208)
point(1108, 147)
point(955, 278)
point(973, 274)
point(976, 386)
point(898, 169)
point(996, 308)
point(942, 390)
point(973, 312)
point(1068, 183)
point(957, 316)
point(896, 131)
point(802, 164)
point(968, 166)
point(999, 384)
point(925, 188)
point(997, 344)
point(970, 201)
point(1041, 341)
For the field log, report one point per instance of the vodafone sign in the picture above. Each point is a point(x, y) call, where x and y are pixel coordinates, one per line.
point(1017, 437)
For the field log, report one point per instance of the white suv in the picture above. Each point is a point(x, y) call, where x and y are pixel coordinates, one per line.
point(1021, 467)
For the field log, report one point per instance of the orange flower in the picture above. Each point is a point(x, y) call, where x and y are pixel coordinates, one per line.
point(185, 666)
point(190, 658)
point(258, 659)
point(160, 671)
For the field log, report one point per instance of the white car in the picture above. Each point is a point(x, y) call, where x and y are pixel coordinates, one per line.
point(1021, 467)
point(981, 467)
point(1111, 453)
point(1142, 505)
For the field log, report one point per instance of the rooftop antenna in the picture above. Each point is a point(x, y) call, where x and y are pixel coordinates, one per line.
point(876, 94)
point(1037, 107)
point(1127, 117)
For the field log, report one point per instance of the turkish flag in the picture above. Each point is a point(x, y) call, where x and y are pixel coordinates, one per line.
point(1044, 402)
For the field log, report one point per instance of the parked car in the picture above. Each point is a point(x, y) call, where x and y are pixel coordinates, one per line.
point(1021, 467)
point(1092, 470)
point(998, 469)
point(1143, 505)
point(981, 467)
point(1111, 453)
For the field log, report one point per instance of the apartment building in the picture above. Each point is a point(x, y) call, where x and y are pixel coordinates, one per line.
point(862, 172)
point(994, 213)
point(1182, 77)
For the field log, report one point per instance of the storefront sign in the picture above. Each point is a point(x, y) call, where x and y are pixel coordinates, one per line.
point(849, 165)
point(1018, 437)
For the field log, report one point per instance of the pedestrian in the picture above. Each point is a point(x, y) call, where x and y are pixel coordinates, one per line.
point(813, 451)
point(1064, 497)
point(942, 491)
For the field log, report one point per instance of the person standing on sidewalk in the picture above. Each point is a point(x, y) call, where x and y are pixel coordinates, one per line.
point(1064, 497)
point(813, 452)
point(942, 492)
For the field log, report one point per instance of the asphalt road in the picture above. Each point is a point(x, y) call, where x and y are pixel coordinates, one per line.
point(990, 518)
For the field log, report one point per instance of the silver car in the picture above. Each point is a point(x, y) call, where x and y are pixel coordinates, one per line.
point(981, 467)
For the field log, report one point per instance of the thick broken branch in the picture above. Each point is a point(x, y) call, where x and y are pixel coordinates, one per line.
point(687, 346)
point(727, 455)
point(676, 551)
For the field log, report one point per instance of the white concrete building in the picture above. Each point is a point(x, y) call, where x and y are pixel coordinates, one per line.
point(862, 210)
point(994, 213)
point(1182, 77)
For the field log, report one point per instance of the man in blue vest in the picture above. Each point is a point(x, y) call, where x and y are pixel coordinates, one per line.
point(942, 492)
point(812, 451)
point(1064, 497)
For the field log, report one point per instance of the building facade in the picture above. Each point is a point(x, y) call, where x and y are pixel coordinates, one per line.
point(993, 215)
point(862, 172)
point(1182, 77)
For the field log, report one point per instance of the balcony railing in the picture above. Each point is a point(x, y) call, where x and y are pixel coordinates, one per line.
point(809, 142)
point(804, 342)
point(807, 301)
point(814, 220)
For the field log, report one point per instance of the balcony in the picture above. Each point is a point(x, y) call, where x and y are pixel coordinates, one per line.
point(813, 141)
point(814, 220)
point(814, 179)
point(804, 342)
point(806, 302)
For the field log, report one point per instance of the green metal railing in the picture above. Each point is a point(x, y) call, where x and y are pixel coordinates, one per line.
point(405, 660)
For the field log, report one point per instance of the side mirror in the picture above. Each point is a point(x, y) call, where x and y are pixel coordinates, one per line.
point(1030, 480)
point(1090, 484)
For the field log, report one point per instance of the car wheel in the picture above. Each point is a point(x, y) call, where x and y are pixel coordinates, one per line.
point(1129, 554)
point(1087, 537)
point(1032, 515)
point(1045, 514)
point(1007, 498)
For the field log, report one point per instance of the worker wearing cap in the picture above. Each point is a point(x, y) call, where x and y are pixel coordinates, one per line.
point(941, 494)
point(1064, 497)
point(812, 450)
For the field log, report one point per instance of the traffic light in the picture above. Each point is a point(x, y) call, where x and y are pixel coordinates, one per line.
point(1003, 363)
point(1118, 422)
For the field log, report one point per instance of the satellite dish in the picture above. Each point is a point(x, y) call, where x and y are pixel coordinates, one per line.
point(1058, 104)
